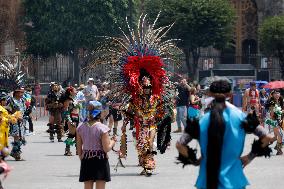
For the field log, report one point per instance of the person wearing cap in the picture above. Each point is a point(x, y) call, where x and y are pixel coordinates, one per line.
point(93, 144)
point(81, 100)
point(55, 109)
point(221, 134)
point(17, 130)
point(91, 91)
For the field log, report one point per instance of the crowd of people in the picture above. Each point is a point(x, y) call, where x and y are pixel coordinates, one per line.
point(93, 107)
point(144, 97)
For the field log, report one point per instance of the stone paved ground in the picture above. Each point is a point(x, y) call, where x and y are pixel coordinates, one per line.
point(46, 168)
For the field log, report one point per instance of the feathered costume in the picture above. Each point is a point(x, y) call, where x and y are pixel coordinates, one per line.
point(139, 62)
point(10, 79)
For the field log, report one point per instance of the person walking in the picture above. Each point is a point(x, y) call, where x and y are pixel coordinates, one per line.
point(91, 91)
point(182, 100)
point(30, 103)
point(80, 99)
point(93, 143)
point(14, 104)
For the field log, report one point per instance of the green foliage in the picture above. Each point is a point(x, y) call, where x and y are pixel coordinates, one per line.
point(60, 26)
point(198, 23)
point(271, 34)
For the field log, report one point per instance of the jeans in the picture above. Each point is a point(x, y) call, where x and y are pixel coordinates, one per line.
point(181, 116)
point(83, 112)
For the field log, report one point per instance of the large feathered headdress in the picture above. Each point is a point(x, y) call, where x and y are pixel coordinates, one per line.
point(144, 51)
point(10, 77)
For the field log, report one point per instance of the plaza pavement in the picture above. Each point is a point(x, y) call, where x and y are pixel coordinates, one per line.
point(45, 167)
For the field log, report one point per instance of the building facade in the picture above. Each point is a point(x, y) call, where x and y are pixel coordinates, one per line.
point(245, 49)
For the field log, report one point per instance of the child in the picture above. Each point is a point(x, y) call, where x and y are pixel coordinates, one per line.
point(93, 143)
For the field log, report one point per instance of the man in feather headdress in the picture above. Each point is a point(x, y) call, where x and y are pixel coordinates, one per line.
point(145, 110)
point(142, 82)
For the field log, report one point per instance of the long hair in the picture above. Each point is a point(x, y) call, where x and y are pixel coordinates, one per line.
point(216, 132)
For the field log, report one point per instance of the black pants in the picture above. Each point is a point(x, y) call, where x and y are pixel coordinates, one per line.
point(31, 125)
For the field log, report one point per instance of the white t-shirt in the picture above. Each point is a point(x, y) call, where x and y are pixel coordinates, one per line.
point(90, 92)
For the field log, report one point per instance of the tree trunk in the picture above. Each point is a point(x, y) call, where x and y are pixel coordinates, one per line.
point(76, 68)
point(187, 62)
point(195, 56)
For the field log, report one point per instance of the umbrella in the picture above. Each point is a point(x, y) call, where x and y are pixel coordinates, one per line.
point(259, 84)
point(274, 85)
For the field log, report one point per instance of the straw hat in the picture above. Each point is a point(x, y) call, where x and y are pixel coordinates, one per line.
point(81, 87)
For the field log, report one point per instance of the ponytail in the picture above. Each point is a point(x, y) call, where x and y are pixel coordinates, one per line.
point(216, 132)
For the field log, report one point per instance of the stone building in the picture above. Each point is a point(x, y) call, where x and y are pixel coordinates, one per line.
point(245, 43)
point(250, 14)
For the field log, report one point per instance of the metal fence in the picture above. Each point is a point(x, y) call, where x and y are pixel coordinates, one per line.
point(58, 68)
point(260, 62)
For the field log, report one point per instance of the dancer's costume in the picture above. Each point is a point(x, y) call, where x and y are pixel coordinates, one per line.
point(6, 119)
point(18, 129)
point(55, 109)
point(273, 120)
point(70, 118)
point(236, 126)
point(138, 60)
point(12, 79)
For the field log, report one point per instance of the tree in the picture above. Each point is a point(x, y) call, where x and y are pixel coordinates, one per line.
point(271, 34)
point(198, 23)
point(60, 26)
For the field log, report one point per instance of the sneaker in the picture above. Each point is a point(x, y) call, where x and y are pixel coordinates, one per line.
point(60, 140)
point(27, 133)
point(68, 154)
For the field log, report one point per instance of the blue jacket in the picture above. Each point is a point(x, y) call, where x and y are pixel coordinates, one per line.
point(231, 171)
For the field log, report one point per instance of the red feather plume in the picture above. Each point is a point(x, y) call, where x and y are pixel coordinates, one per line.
point(153, 65)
